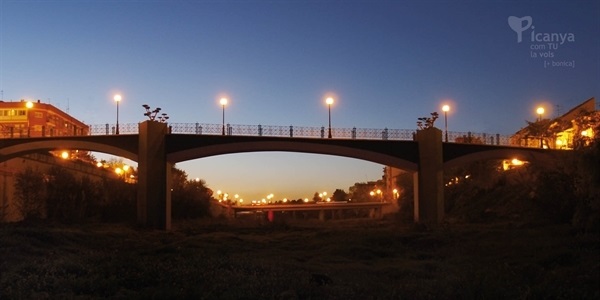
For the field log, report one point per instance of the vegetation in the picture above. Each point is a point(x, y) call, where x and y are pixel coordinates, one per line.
point(332, 260)
point(29, 190)
point(189, 198)
point(564, 191)
point(57, 195)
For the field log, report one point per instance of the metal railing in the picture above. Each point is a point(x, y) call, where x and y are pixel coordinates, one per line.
point(304, 132)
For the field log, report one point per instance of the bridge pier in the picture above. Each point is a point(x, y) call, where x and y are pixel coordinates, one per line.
point(429, 185)
point(154, 177)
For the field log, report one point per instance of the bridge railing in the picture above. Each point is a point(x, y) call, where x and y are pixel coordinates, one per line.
point(293, 131)
point(304, 132)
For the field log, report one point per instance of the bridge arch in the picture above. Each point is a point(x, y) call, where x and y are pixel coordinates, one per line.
point(33, 146)
point(296, 146)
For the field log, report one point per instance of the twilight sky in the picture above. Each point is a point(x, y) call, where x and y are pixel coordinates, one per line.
point(387, 62)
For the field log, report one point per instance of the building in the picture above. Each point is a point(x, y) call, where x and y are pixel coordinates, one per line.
point(562, 132)
point(37, 119)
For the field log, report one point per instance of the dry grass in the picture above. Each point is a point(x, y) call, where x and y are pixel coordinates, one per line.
point(305, 260)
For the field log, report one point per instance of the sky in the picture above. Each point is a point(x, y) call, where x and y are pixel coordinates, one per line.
point(387, 63)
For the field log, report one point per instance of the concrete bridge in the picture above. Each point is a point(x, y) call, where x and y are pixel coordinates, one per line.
point(156, 149)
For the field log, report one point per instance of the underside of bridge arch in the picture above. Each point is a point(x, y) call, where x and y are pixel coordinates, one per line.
point(298, 147)
point(525, 154)
point(53, 145)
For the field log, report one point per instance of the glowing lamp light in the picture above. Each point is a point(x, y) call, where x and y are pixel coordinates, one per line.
point(540, 110)
point(64, 155)
point(516, 162)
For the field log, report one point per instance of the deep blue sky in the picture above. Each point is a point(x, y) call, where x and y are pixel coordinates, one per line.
point(387, 62)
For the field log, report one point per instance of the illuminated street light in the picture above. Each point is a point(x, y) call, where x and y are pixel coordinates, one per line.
point(223, 102)
point(329, 102)
point(28, 105)
point(540, 112)
point(446, 108)
point(117, 99)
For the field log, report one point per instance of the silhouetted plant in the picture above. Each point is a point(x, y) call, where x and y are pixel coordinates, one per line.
point(30, 193)
point(189, 198)
point(587, 189)
point(118, 200)
point(339, 195)
point(64, 199)
point(426, 122)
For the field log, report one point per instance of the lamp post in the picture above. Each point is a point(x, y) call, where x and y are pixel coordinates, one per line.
point(540, 112)
point(28, 106)
point(329, 101)
point(223, 102)
point(117, 99)
point(446, 108)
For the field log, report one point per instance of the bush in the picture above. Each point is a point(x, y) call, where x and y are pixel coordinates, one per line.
point(30, 194)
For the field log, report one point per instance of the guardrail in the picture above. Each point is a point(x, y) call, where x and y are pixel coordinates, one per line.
point(303, 132)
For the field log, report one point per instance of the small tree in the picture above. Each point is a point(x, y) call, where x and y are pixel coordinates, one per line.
point(425, 122)
point(190, 198)
point(339, 195)
point(30, 193)
point(64, 196)
point(316, 197)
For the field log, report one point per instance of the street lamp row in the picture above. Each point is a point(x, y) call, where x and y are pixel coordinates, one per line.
point(329, 101)
point(223, 101)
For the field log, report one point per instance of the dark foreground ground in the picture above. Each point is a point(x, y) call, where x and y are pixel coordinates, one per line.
point(332, 260)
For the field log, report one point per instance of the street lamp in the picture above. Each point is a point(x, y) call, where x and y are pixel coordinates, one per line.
point(446, 108)
point(28, 106)
point(223, 103)
point(540, 112)
point(117, 99)
point(329, 101)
